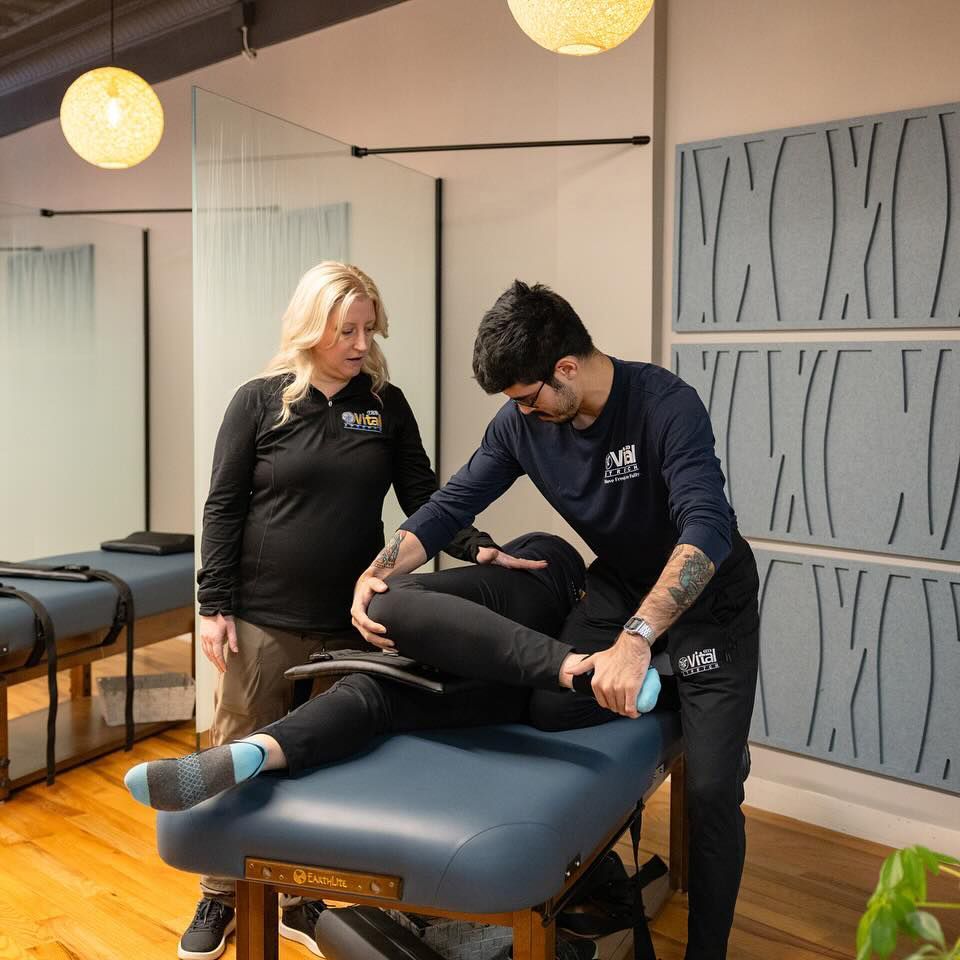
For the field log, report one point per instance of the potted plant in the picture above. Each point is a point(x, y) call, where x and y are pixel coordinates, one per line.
point(899, 905)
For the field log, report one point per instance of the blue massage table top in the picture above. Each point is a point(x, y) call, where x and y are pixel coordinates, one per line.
point(478, 820)
point(158, 584)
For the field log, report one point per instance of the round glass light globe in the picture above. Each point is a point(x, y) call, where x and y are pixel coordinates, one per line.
point(112, 118)
point(579, 27)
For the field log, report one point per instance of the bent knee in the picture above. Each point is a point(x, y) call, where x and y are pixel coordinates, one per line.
point(385, 607)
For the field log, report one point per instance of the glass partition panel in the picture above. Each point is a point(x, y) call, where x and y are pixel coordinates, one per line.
point(271, 199)
point(71, 383)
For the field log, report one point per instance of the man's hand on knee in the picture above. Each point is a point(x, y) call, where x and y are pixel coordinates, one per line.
point(618, 674)
point(367, 588)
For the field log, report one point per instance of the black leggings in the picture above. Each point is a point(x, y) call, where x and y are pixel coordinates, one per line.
point(480, 622)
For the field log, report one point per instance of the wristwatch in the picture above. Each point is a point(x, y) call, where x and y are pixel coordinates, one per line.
point(638, 627)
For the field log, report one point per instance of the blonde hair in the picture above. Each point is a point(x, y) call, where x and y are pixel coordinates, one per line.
point(321, 290)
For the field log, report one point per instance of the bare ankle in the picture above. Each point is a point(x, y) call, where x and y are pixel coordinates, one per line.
point(275, 757)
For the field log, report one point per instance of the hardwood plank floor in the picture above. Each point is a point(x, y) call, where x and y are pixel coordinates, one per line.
point(80, 878)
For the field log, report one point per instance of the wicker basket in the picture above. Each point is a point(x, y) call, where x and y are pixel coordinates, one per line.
point(157, 697)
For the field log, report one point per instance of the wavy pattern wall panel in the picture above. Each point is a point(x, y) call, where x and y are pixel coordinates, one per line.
point(860, 665)
point(843, 444)
point(846, 224)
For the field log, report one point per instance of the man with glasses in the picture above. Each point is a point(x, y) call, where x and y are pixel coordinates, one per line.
point(625, 453)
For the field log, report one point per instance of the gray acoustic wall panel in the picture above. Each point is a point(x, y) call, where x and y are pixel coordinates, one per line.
point(860, 664)
point(854, 223)
point(839, 444)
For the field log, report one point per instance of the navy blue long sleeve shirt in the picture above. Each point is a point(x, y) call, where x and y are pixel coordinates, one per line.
point(640, 479)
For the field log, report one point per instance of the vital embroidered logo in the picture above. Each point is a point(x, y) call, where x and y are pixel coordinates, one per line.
point(621, 464)
point(371, 421)
point(699, 662)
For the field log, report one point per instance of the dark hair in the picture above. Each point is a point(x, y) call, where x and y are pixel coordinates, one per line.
point(523, 335)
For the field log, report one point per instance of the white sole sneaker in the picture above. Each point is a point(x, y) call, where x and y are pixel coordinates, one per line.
point(210, 954)
point(298, 936)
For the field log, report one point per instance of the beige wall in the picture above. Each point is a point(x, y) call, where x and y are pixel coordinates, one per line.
point(751, 65)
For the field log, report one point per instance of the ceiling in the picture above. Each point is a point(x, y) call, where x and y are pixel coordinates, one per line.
point(46, 44)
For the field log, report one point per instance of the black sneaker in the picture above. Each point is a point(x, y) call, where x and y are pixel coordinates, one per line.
point(298, 923)
point(206, 937)
point(577, 949)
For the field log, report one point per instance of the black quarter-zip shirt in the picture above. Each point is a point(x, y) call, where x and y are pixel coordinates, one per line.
point(293, 515)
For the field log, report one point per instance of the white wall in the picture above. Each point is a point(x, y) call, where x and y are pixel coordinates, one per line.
point(751, 65)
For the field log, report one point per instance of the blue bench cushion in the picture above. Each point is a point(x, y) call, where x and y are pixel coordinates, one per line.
point(158, 584)
point(479, 820)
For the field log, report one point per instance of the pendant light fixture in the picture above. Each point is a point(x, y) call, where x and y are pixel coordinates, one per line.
point(111, 117)
point(579, 27)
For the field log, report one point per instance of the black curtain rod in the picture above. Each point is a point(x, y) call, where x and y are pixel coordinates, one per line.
point(77, 213)
point(637, 141)
point(269, 208)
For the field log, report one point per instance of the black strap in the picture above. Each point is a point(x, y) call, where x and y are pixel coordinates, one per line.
point(44, 640)
point(124, 614)
point(642, 941)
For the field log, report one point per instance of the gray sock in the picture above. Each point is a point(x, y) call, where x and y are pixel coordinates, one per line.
point(181, 783)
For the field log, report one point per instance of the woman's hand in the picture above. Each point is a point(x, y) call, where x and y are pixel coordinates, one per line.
point(498, 558)
point(214, 633)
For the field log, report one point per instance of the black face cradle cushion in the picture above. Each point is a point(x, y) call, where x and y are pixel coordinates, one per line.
point(151, 542)
point(389, 666)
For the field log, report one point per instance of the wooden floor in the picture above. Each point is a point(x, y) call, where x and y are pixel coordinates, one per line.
point(80, 878)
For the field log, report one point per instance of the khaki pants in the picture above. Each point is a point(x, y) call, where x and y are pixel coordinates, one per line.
point(253, 692)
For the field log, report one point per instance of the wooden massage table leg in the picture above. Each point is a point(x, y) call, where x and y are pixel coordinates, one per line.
point(81, 681)
point(531, 939)
point(258, 936)
point(679, 827)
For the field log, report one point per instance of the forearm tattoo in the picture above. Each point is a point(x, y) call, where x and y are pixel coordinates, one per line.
point(692, 578)
point(387, 557)
point(685, 575)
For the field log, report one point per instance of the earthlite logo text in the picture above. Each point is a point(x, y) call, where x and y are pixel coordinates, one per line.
point(699, 662)
point(621, 464)
point(371, 421)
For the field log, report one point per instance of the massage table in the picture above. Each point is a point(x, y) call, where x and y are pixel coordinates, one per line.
point(82, 615)
point(490, 824)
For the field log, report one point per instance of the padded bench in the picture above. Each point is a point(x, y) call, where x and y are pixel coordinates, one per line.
point(491, 824)
point(81, 615)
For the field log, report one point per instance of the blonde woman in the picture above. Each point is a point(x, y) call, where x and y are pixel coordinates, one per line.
point(304, 458)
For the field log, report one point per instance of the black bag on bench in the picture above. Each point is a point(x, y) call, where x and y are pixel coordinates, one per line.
point(151, 542)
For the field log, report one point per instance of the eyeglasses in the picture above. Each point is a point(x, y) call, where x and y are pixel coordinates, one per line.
point(530, 403)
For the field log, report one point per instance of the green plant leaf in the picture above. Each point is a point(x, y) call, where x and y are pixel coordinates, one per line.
point(929, 858)
point(883, 932)
point(863, 929)
point(891, 873)
point(925, 926)
point(915, 876)
point(865, 951)
point(927, 950)
point(901, 905)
